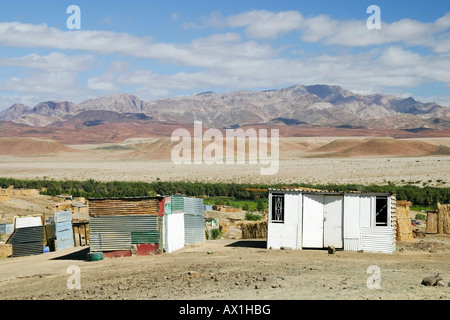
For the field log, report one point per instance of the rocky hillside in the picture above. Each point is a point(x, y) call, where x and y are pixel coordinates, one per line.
point(320, 105)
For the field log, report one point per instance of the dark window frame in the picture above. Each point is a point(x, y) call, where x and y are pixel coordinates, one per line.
point(382, 211)
point(277, 211)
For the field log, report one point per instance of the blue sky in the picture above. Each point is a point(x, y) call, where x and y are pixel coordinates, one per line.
point(163, 49)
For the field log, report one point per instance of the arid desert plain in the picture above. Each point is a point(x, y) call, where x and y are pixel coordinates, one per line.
point(315, 160)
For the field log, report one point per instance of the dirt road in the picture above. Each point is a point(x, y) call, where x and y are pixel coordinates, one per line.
point(232, 270)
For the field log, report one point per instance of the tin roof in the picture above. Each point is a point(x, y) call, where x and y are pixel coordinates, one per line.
point(309, 190)
point(136, 198)
point(124, 206)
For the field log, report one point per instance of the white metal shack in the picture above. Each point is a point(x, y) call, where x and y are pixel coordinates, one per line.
point(305, 218)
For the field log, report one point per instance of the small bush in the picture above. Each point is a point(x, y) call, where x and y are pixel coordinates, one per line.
point(421, 216)
point(216, 234)
point(253, 217)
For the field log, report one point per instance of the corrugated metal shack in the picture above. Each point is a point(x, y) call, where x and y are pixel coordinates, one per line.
point(302, 218)
point(126, 226)
point(194, 218)
point(28, 236)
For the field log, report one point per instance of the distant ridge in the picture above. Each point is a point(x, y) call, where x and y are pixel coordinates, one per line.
point(380, 147)
point(316, 105)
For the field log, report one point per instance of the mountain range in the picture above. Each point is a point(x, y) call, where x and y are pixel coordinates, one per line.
point(316, 105)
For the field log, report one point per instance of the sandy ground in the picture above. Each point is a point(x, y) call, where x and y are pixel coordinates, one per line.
point(232, 270)
point(318, 170)
point(228, 269)
point(146, 159)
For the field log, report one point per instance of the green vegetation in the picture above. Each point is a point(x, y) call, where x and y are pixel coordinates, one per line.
point(421, 216)
point(249, 204)
point(115, 147)
point(216, 234)
point(229, 193)
point(252, 216)
point(419, 208)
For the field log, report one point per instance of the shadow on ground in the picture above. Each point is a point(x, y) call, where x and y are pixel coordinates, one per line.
point(78, 255)
point(252, 243)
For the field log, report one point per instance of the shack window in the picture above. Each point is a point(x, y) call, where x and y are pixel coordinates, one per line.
point(277, 208)
point(381, 210)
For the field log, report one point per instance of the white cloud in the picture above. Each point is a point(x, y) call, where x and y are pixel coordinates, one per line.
point(205, 52)
point(226, 61)
point(18, 34)
point(376, 71)
point(318, 28)
point(395, 57)
point(54, 61)
point(355, 33)
point(262, 24)
point(102, 84)
point(41, 82)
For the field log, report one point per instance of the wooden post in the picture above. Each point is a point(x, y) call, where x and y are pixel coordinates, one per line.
point(404, 227)
point(440, 226)
point(432, 222)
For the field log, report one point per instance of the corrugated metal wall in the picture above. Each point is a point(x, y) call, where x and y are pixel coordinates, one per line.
point(377, 239)
point(124, 206)
point(177, 204)
point(27, 241)
point(194, 221)
point(358, 218)
point(63, 230)
point(108, 233)
point(167, 205)
point(194, 230)
point(193, 206)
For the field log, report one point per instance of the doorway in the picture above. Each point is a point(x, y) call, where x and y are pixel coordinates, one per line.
point(322, 221)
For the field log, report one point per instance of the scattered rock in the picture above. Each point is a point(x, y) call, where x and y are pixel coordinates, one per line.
point(194, 274)
point(431, 281)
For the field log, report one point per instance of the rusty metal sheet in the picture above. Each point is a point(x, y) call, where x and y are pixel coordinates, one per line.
point(124, 206)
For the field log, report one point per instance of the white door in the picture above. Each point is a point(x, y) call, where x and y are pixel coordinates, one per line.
point(312, 234)
point(332, 221)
